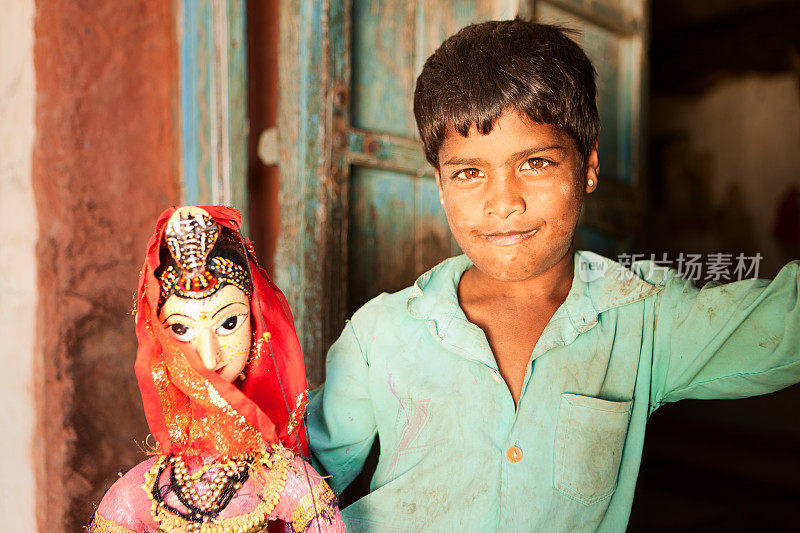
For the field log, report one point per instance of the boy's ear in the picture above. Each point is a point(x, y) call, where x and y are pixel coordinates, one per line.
point(592, 169)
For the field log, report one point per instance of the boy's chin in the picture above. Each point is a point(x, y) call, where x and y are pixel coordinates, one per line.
point(517, 268)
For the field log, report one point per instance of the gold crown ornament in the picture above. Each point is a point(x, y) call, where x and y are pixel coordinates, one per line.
point(190, 236)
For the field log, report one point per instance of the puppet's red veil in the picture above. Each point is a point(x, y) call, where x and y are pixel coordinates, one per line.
point(193, 411)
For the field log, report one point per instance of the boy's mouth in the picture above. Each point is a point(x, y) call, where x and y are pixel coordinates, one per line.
point(508, 238)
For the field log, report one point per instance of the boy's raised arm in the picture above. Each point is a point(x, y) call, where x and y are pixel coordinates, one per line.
point(341, 422)
point(727, 341)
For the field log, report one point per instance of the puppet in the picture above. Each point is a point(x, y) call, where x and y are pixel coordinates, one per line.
point(224, 391)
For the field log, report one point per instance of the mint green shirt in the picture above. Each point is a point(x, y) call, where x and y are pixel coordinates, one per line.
point(411, 369)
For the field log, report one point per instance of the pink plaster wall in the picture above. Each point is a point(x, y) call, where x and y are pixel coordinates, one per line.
point(104, 166)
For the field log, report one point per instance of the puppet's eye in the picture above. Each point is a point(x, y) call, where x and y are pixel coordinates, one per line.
point(182, 332)
point(230, 324)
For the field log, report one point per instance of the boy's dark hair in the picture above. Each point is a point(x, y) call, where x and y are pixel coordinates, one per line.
point(486, 68)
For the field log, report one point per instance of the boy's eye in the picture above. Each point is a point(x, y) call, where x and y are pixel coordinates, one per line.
point(468, 174)
point(230, 324)
point(535, 163)
point(182, 332)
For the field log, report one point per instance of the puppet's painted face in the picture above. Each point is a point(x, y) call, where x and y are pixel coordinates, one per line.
point(218, 327)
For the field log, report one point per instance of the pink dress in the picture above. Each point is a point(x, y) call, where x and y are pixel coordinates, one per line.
point(280, 490)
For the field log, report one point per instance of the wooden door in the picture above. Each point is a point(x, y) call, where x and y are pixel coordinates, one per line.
point(359, 209)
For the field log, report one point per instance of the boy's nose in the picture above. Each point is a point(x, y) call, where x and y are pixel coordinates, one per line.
point(207, 348)
point(504, 198)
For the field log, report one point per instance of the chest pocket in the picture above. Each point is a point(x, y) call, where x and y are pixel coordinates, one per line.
point(588, 449)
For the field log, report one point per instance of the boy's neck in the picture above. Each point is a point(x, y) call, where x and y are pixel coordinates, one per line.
point(551, 285)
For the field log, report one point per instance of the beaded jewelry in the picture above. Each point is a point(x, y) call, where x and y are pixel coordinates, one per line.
point(221, 271)
point(222, 482)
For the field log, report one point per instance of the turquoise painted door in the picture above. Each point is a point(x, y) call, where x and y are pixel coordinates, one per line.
point(359, 209)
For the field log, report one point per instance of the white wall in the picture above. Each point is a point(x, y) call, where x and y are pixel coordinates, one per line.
point(749, 126)
point(18, 233)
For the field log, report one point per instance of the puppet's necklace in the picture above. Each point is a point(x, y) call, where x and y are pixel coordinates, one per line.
point(221, 481)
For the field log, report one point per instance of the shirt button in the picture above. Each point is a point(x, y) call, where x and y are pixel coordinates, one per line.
point(514, 454)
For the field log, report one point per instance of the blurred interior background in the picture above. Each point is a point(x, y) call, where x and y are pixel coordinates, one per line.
point(299, 114)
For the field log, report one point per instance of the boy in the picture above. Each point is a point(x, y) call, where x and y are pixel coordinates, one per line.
point(510, 387)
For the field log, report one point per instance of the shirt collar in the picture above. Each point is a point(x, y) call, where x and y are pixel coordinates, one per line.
point(434, 296)
point(599, 284)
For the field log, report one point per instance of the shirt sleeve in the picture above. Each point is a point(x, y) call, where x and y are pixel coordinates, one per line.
point(341, 421)
point(726, 341)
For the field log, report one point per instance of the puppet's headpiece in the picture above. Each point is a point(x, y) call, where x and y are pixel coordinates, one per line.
point(191, 236)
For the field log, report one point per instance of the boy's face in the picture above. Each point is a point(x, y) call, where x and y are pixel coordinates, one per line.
point(512, 197)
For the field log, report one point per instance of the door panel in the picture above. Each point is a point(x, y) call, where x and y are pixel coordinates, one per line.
point(437, 20)
point(383, 66)
point(380, 253)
